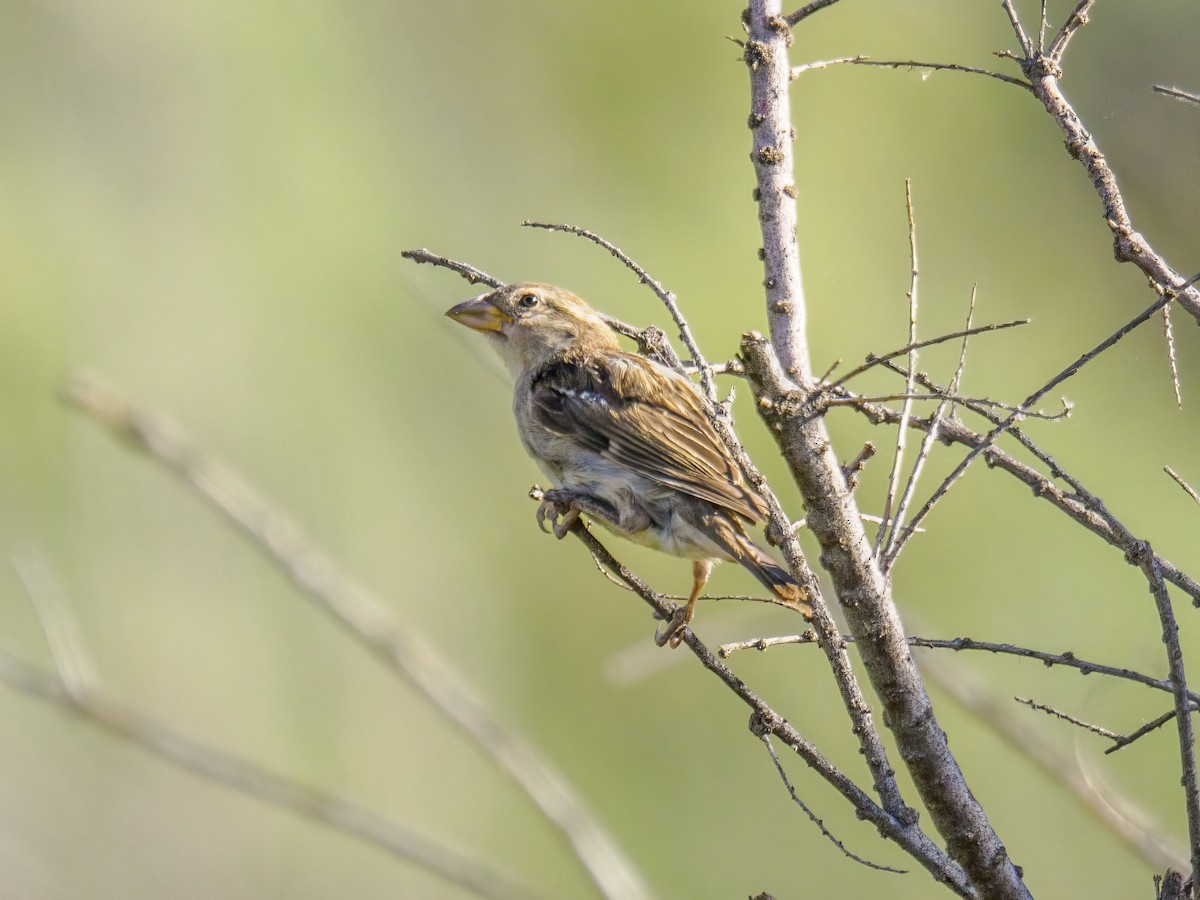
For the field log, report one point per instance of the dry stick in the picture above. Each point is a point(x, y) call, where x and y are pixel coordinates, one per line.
point(1067, 717)
point(766, 739)
point(64, 689)
point(1172, 360)
point(948, 397)
point(764, 720)
point(906, 407)
point(862, 60)
point(807, 10)
point(1043, 72)
point(894, 546)
point(1177, 93)
point(775, 370)
point(1123, 741)
point(406, 653)
point(1183, 484)
point(472, 274)
point(1183, 716)
point(1084, 507)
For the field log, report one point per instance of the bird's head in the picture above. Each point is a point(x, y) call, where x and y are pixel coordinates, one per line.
point(529, 323)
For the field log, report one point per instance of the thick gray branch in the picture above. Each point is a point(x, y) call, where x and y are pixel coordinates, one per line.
point(831, 512)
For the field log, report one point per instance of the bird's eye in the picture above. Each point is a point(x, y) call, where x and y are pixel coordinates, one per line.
point(528, 301)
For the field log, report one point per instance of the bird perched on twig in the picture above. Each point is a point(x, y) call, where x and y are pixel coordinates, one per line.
point(626, 440)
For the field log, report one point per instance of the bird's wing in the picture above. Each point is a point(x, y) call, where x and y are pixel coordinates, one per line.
point(645, 417)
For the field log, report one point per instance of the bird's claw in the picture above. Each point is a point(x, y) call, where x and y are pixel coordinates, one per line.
point(672, 635)
point(559, 509)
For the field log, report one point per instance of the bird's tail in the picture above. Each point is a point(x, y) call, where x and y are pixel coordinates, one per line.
point(773, 576)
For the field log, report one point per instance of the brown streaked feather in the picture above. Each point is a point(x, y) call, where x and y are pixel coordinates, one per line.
point(641, 415)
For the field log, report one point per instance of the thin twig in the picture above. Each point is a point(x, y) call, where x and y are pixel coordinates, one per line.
point(1177, 93)
point(469, 272)
point(46, 596)
point(972, 403)
point(1125, 740)
point(1067, 659)
point(1076, 20)
point(1183, 484)
point(910, 64)
point(667, 297)
point(906, 407)
point(895, 546)
point(874, 360)
point(403, 651)
point(807, 10)
point(1067, 717)
point(1022, 37)
point(1183, 718)
point(1172, 361)
point(797, 71)
point(766, 739)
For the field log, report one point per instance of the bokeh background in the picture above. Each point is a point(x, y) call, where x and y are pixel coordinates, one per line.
point(206, 204)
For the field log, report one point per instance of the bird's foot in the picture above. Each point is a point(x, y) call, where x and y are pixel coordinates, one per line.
point(559, 508)
point(671, 635)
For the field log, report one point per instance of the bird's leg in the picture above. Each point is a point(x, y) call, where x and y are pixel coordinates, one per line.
point(673, 636)
point(561, 508)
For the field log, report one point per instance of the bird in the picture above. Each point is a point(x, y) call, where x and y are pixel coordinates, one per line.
point(626, 440)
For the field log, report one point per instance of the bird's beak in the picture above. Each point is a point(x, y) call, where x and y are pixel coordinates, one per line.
point(479, 314)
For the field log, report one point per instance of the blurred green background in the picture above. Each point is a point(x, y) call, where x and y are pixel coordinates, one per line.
point(206, 204)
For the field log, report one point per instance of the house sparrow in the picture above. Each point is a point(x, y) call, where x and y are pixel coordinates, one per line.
point(625, 439)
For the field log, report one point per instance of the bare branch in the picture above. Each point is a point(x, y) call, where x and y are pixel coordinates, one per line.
point(906, 408)
point(1183, 717)
point(909, 64)
point(1076, 20)
point(1177, 93)
point(469, 272)
point(1123, 741)
point(797, 71)
point(807, 10)
point(874, 360)
point(895, 546)
point(1183, 484)
point(1067, 717)
point(766, 739)
point(1022, 37)
point(1043, 72)
point(403, 651)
